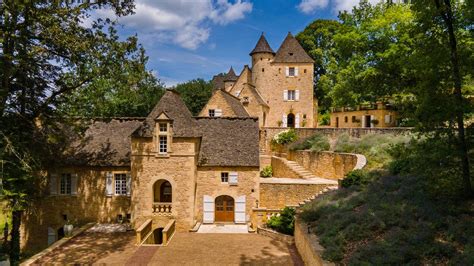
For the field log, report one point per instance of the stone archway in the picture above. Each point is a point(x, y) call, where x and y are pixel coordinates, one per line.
point(290, 120)
point(162, 191)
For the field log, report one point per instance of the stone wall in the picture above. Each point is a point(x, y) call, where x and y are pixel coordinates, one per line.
point(267, 133)
point(329, 165)
point(308, 246)
point(280, 169)
point(280, 195)
point(90, 204)
point(290, 240)
point(353, 119)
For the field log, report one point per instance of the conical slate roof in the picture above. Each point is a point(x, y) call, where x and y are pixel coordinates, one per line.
point(291, 51)
point(230, 75)
point(262, 46)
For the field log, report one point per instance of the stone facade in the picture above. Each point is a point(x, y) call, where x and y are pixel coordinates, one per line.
point(279, 195)
point(377, 116)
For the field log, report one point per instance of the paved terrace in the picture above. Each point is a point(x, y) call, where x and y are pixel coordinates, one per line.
point(184, 249)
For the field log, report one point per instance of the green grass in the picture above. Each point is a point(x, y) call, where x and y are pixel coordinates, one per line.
point(393, 220)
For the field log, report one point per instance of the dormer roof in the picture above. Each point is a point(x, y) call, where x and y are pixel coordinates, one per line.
point(291, 51)
point(262, 46)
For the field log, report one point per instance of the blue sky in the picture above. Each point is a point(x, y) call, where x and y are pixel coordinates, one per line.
point(188, 39)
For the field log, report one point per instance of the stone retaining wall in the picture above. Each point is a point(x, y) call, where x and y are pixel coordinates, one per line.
point(290, 240)
point(308, 245)
point(280, 169)
point(329, 165)
point(280, 195)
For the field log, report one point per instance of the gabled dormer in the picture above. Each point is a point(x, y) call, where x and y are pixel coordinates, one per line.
point(163, 134)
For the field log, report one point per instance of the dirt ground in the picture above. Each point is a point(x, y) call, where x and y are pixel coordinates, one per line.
point(183, 249)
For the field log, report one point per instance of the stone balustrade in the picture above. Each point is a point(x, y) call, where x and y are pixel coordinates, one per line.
point(163, 208)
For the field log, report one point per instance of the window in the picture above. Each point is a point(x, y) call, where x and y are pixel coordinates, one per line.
point(163, 144)
point(212, 113)
point(65, 186)
point(291, 71)
point(304, 70)
point(120, 184)
point(263, 69)
point(245, 99)
point(353, 119)
point(346, 119)
point(291, 95)
point(163, 127)
point(224, 177)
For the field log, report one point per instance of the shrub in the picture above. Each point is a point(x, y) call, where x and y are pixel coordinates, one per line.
point(285, 137)
point(317, 142)
point(324, 119)
point(283, 223)
point(355, 177)
point(267, 171)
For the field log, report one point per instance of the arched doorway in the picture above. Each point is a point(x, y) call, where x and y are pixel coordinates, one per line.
point(162, 191)
point(158, 236)
point(224, 209)
point(290, 120)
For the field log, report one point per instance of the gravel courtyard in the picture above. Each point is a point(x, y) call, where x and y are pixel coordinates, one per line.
point(184, 249)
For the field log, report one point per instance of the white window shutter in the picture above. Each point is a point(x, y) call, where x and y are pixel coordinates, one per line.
point(109, 184)
point(297, 95)
point(297, 120)
point(218, 112)
point(129, 184)
point(287, 71)
point(388, 119)
point(285, 95)
point(74, 180)
point(372, 119)
point(240, 209)
point(296, 71)
point(233, 178)
point(363, 121)
point(208, 209)
point(53, 184)
point(284, 120)
point(51, 236)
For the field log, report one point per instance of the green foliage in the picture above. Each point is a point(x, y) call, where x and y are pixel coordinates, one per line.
point(392, 221)
point(324, 119)
point(267, 171)
point(284, 222)
point(195, 93)
point(355, 178)
point(317, 142)
point(285, 137)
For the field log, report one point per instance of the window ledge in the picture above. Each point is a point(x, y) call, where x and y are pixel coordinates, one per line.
point(162, 155)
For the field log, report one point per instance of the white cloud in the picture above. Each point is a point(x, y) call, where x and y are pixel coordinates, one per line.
point(309, 6)
point(183, 22)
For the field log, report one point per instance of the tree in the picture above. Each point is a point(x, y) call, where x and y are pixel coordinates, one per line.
point(46, 54)
point(195, 93)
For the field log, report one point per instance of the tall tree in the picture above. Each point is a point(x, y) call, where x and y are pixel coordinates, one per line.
point(45, 53)
point(195, 93)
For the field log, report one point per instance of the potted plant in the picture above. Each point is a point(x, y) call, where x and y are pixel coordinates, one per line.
point(279, 122)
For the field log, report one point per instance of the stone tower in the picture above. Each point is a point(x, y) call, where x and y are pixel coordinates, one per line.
point(262, 56)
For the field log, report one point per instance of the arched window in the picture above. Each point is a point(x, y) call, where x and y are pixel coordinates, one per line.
point(290, 120)
point(162, 191)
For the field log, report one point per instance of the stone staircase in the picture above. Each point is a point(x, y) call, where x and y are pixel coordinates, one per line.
point(325, 190)
point(298, 169)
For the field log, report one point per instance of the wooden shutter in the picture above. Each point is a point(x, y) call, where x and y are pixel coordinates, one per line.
point(129, 184)
point(109, 184)
point(388, 119)
point(285, 95)
point(233, 178)
point(74, 180)
point(53, 184)
point(208, 209)
point(297, 120)
point(240, 210)
point(218, 112)
point(363, 121)
point(284, 121)
point(297, 95)
point(287, 71)
point(296, 71)
point(372, 119)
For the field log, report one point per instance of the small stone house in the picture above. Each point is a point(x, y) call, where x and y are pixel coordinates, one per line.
point(223, 104)
point(278, 87)
point(166, 166)
point(379, 115)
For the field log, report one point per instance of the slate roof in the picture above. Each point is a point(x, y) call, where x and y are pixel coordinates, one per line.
point(173, 106)
point(234, 103)
point(106, 142)
point(231, 141)
point(262, 46)
point(231, 76)
point(291, 51)
point(218, 81)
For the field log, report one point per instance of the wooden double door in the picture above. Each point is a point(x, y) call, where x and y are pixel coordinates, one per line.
point(225, 207)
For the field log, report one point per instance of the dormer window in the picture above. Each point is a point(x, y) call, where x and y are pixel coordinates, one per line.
point(163, 127)
point(291, 54)
point(212, 113)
